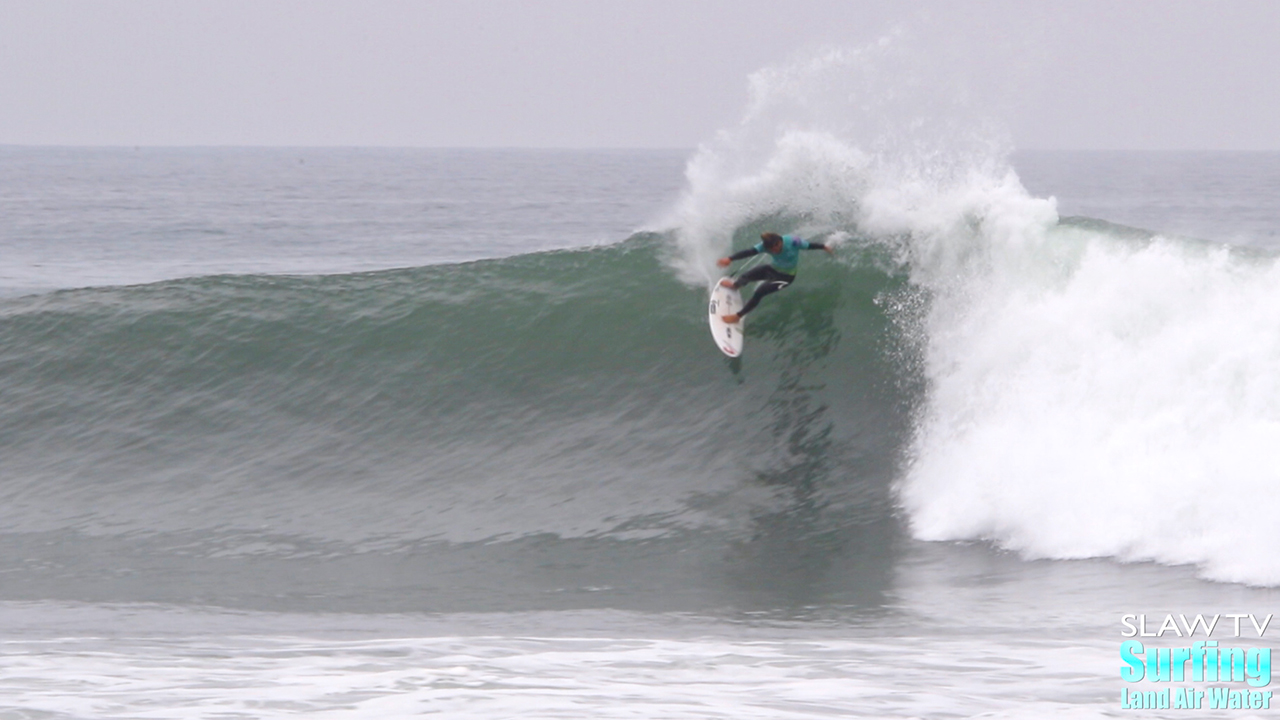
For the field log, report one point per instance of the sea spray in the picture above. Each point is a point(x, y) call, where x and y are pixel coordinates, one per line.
point(821, 134)
point(1091, 391)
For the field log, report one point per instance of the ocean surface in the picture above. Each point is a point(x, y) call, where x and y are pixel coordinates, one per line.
point(382, 433)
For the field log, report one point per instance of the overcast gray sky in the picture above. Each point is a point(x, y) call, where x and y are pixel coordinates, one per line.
point(609, 73)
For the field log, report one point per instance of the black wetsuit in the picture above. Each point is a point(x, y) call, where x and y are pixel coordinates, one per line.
point(770, 278)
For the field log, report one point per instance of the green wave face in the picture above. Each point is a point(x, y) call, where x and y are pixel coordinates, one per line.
point(572, 394)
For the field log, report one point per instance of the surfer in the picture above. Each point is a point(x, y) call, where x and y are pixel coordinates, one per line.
point(779, 273)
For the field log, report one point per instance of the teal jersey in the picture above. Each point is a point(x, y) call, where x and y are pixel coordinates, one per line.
point(789, 258)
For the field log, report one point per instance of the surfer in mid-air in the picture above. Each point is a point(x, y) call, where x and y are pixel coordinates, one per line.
point(784, 251)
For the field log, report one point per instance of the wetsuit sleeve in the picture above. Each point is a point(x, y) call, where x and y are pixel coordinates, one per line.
point(741, 254)
point(815, 246)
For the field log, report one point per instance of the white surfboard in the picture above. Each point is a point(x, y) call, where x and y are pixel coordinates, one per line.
point(725, 301)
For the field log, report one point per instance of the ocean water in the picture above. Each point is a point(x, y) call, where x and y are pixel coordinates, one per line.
point(357, 433)
point(323, 433)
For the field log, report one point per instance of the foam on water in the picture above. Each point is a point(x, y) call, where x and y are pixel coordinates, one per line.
point(677, 668)
point(1127, 407)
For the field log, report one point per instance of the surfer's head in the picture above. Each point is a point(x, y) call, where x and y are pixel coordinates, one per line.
point(772, 242)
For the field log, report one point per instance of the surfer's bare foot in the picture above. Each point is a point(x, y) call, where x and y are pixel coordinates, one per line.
point(731, 319)
point(726, 282)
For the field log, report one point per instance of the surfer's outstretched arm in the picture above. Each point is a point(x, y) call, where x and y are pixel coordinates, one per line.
point(740, 255)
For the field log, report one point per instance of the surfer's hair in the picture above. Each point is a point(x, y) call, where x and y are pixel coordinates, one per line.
point(771, 238)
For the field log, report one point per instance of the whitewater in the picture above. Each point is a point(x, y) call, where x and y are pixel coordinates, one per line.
point(386, 433)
